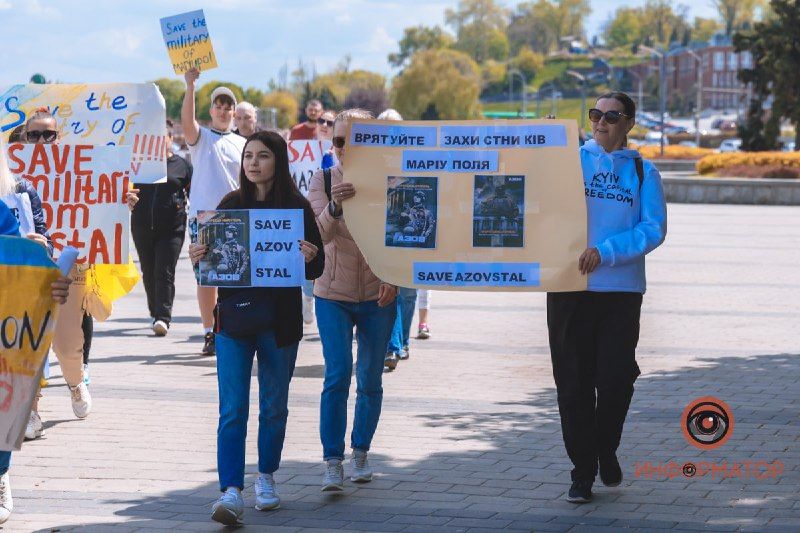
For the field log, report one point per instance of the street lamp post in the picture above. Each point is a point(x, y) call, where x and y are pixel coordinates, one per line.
point(639, 96)
point(581, 78)
point(515, 72)
point(662, 93)
point(699, 104)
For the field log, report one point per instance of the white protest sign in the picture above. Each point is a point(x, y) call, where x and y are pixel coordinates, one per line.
point(252, 247)
point(305, 158)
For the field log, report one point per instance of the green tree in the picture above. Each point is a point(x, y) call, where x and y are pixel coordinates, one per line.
point(736, 13)
point(486, 13)
point(776, 62)
point(624, 29)
point(418, 38)
point(333, 88)
point(253, 95)
point(493, 77)
point(527, 28)
point(480, 29)
point(286, 105)
point(528, 62)
point(172, 90)
point(704, 29)
point(438, 83)
point(565, 17)
point(203, 97)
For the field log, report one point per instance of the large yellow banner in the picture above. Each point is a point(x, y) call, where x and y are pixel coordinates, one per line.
point(468, 205)
point(27, 322)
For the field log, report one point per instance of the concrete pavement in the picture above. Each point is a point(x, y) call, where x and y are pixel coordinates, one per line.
point(469, 438)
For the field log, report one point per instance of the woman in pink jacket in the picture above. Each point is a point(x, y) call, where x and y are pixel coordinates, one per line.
point(348, 295)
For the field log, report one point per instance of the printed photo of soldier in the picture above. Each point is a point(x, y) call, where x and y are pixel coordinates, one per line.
point(411, 205)
point(227, 263)
point(498, 211)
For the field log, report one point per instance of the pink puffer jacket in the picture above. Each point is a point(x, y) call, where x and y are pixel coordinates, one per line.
point(347, 276)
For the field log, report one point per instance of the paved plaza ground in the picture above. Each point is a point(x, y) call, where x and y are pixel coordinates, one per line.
point(469, 438)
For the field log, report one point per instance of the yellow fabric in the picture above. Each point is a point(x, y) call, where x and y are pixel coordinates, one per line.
point(107, 283)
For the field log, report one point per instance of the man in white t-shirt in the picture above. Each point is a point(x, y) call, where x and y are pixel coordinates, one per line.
point(216, 156)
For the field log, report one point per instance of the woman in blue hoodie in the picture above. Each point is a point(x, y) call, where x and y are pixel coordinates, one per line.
point(594, 333)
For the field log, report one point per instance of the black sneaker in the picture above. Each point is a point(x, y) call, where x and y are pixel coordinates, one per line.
point(610, 471)
point(390, 361)
point(580, 491)
point(209, 347)
point(404, 353)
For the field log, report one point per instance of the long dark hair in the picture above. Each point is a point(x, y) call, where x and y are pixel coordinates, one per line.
point(284, 191)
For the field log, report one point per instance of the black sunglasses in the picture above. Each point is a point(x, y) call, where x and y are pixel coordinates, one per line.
point(338, 142)
point(328, 123)
point(612, 117)
point(48, 135)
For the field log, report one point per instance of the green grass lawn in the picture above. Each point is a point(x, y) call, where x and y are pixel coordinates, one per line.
point(566, 108)
point(554, 68)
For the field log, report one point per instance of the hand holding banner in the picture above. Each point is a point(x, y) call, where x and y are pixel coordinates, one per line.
point(188, 42)
point(26, 331)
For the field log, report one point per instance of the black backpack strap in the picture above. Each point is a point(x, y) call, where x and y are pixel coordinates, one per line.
point(326, 173)
point(639, 170)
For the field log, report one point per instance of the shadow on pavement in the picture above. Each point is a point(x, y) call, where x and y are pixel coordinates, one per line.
point(507, 468)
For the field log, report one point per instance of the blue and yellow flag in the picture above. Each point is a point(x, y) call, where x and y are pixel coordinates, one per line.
point(27, 324)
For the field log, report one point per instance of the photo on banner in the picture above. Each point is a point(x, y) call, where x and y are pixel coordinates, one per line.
point(116, 114)
point(509, 215)
point(82, 189)
point(188, 42)
point(411, 204)
point(498, 208)
point(251, 247)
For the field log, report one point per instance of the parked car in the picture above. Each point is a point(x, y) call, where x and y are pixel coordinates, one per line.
point(730, 145)
point(788, 146)
point(688, 144)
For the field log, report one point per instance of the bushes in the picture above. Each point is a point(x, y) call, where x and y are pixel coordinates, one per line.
point(763, 163)
point(673, 152)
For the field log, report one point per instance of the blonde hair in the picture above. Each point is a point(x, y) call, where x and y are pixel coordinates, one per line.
point(349, 114)
point(8, 184)
point(390, 114)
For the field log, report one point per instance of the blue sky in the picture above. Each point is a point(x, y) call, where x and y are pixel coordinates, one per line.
point(120, 40)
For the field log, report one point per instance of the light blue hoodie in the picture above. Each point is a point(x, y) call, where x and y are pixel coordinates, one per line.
point(625, 221)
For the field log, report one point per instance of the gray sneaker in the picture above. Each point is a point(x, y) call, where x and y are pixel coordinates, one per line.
point(266, 496)
point(229, 509)
point(360, 471)
point(334, 476)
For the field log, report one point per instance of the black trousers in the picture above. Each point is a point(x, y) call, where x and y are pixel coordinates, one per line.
point(593, 338)
point(158, 250)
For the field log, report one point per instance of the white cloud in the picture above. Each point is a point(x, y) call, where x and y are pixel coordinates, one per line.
point(5, 4)
point(381, 41)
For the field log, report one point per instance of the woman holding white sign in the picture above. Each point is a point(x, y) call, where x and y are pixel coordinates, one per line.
point(348, 295)
point(594, 333)
point(264, 321)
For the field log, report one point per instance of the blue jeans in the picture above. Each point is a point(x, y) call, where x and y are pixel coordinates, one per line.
point(373, 324)
point(234, 366)
point(406, 301)
point(5, 461)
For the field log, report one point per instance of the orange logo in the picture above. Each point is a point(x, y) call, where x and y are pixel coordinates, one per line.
point(707, 422)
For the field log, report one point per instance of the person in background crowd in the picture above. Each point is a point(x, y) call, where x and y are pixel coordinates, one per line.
point(593, 333)
point(397, 348)
point(307, 131)
point(59, 292)
point(158, 226)
point(324, 133)
point(348, 295)
point(216, 157)
point(270, 326)
point(69, 341)
point(17, 135)
point(246, 119)
point(423, 308)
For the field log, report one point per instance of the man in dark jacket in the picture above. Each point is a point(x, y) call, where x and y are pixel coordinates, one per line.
point(158, 226)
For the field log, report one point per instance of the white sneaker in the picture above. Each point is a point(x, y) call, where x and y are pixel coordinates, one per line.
point(266, 496)
point(160, 328)
point(81, 400)
point(334, 476)
point(308, 309)
point(229, 508)
point(35, 428)
point(360, 471)
point(6, 502)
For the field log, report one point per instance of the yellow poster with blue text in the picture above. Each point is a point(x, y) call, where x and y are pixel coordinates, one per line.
point(27, 323)
point(188, 42)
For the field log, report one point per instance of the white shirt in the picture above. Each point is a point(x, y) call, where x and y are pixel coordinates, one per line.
point(216, 158)
point(20, 205)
